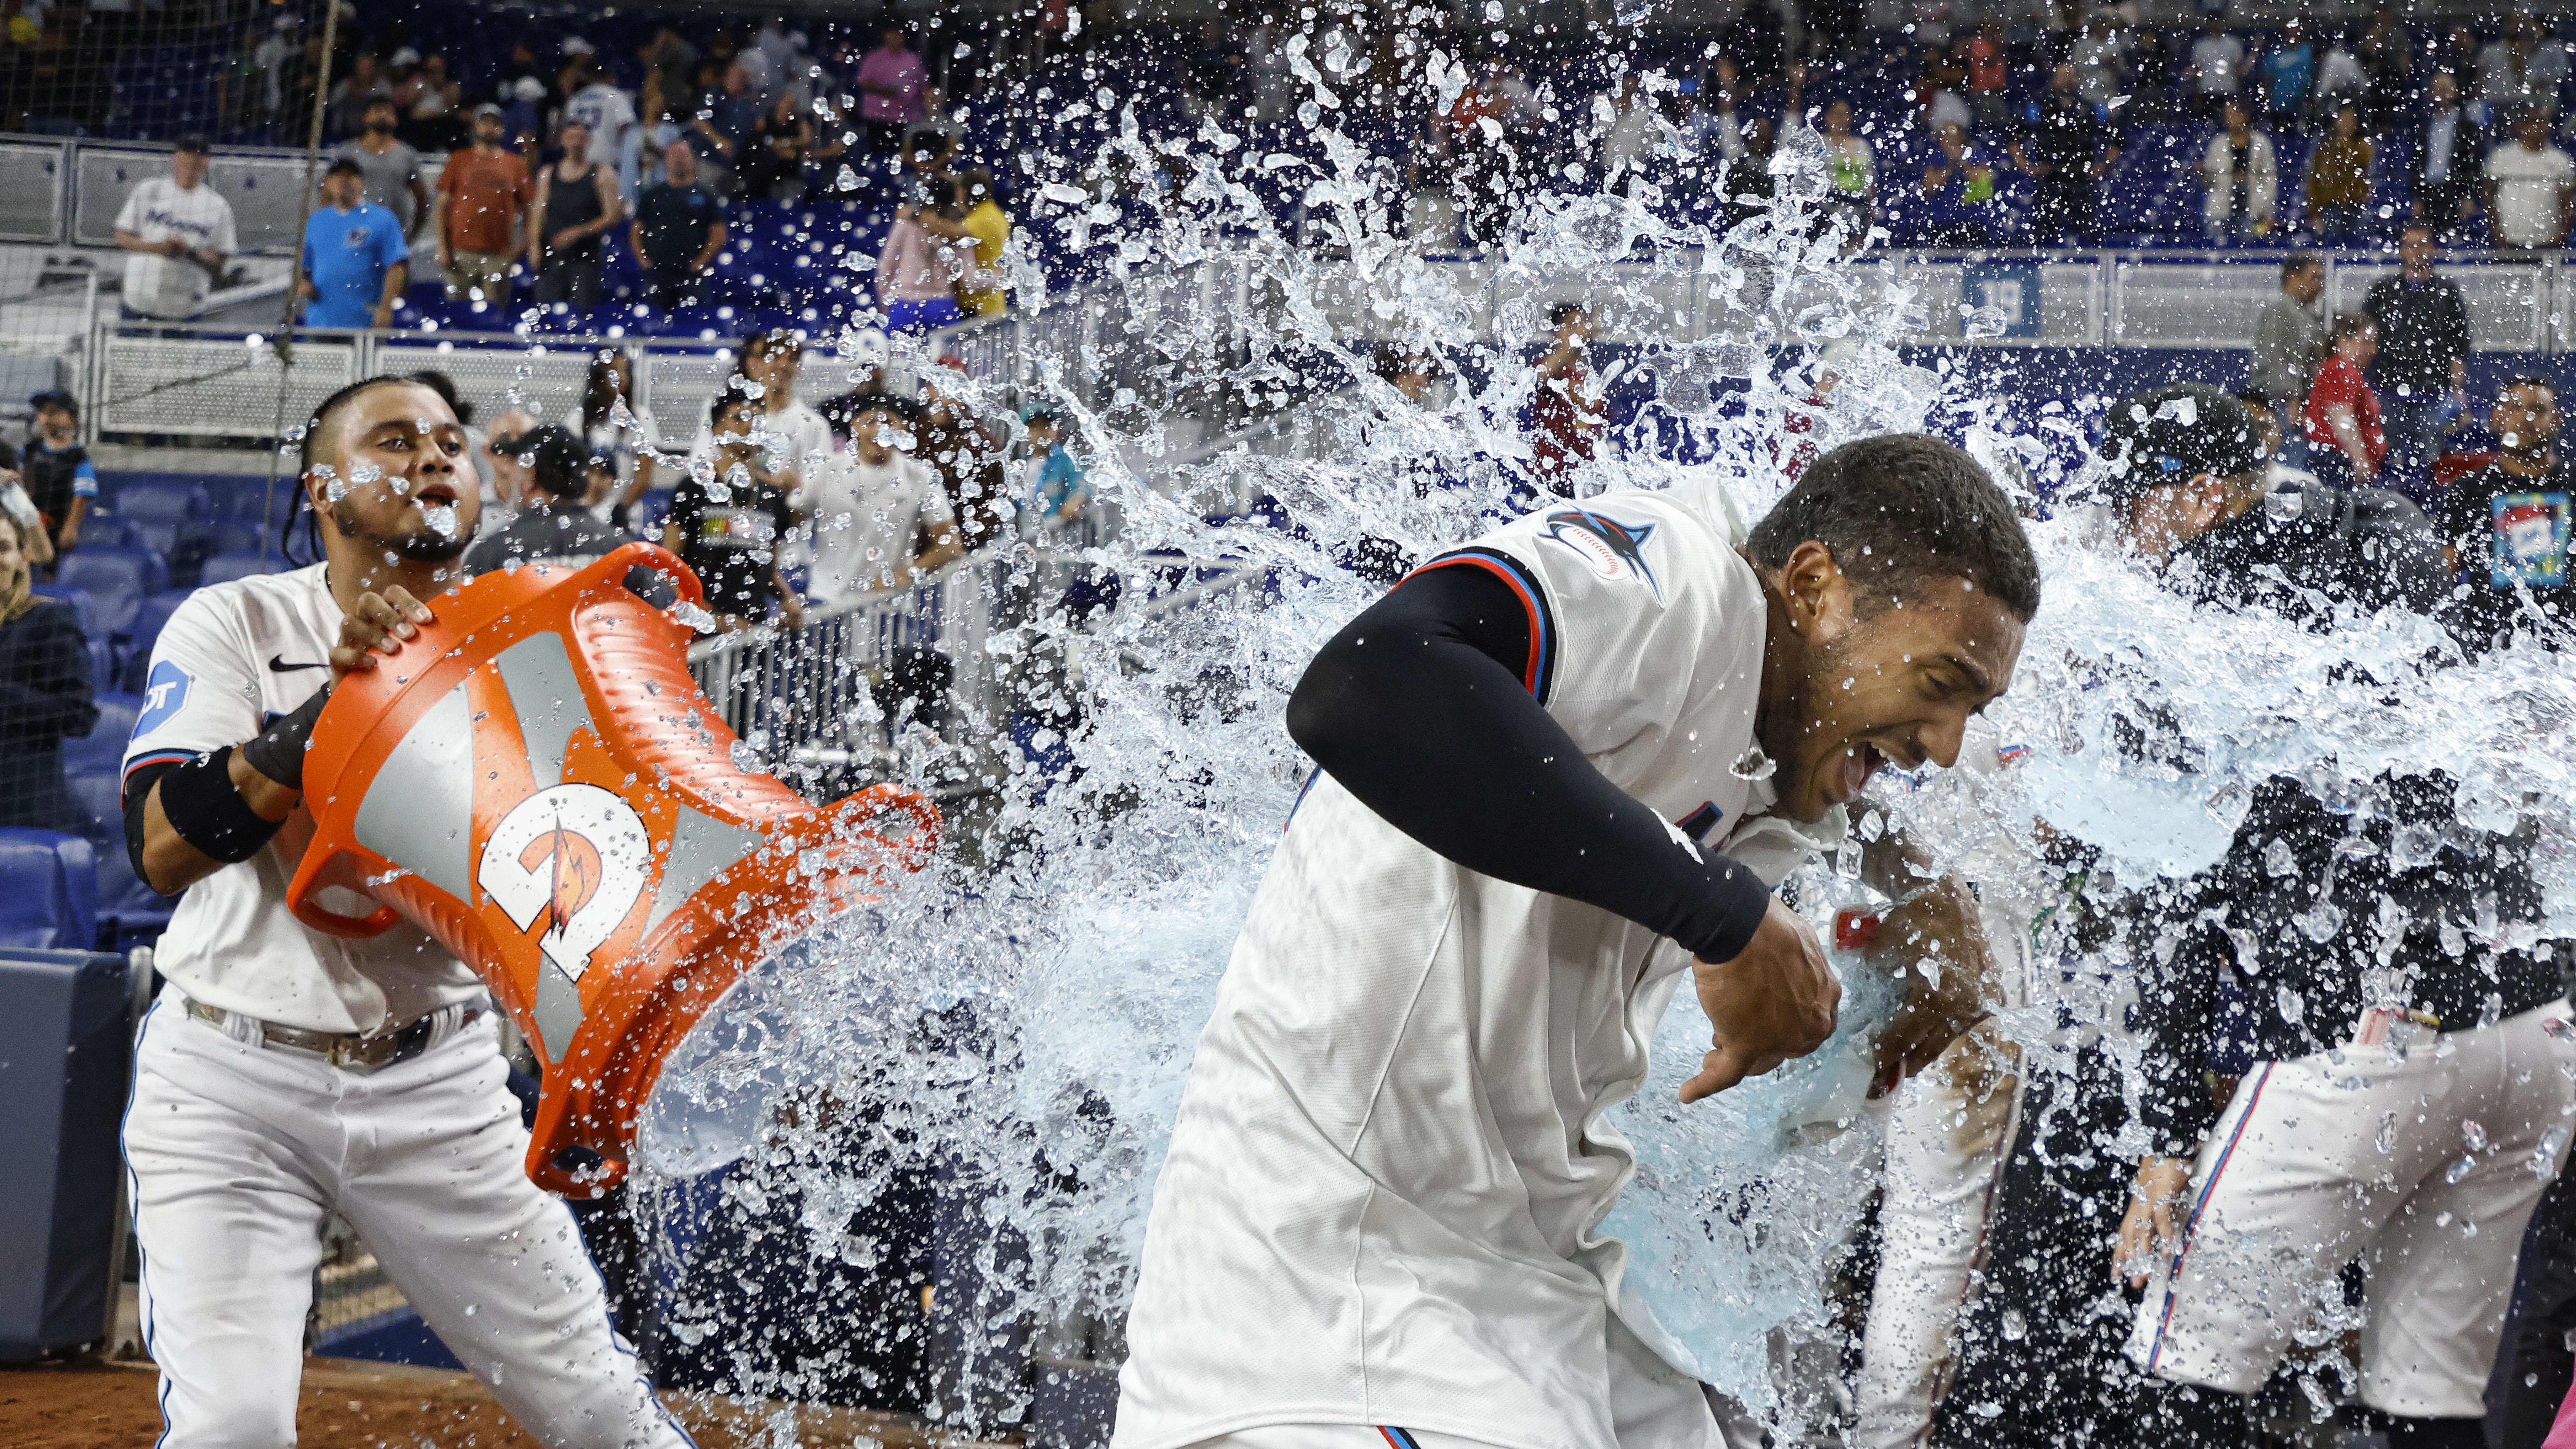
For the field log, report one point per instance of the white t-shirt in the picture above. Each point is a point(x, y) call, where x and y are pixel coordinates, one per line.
point(230, 656)
point(868, 520)
point(1382, 1198)
point(2217, 64)
point(157, 210)
point(2526, 191)
point(608, 111)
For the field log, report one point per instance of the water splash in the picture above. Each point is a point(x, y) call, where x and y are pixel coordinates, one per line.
point(1018, 1020)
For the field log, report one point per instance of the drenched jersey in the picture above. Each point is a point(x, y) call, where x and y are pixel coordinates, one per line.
point(1383, 1191)
point(231, 657)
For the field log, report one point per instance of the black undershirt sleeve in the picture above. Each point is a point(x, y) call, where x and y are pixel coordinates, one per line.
point(1419, 710)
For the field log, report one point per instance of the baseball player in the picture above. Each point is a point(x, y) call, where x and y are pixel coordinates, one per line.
point(1558, 768)
point(285, 1075)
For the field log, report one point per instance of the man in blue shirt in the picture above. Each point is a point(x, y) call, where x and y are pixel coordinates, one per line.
point(356, 261)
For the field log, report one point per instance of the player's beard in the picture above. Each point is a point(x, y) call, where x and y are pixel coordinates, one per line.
point(418, 543)
point(1784, 732)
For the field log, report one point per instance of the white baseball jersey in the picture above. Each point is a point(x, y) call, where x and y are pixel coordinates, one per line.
point(868, 519)
point(231, 657)
point(1382, 1196)
point(157, 210)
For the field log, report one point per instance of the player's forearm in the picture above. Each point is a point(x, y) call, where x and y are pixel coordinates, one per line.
point(1410, 710)
point(169, 862)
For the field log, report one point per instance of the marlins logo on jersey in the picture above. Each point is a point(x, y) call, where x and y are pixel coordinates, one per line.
point(1614, 549)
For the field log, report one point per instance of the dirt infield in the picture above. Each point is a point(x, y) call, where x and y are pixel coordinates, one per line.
point(85, 1404)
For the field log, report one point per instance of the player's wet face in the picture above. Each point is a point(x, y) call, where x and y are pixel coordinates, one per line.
point(393, 483)
point(1889, 682)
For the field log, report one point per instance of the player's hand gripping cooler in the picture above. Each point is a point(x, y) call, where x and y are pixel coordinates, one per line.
point(537, 783)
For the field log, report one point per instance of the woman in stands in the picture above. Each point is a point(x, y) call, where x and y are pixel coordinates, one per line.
point(920, 273)
point(44, 694)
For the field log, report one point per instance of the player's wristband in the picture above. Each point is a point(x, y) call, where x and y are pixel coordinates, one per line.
point(200, 802)
point(278, 751)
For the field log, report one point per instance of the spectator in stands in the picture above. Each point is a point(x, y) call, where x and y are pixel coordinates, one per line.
point(2447, 170)
point(356, 262)
point(2341, 79)
point(279, 53)
point(793, 434)
point(2100, 56)
point(990, 228)
point(1989, 65)
point(432, 104)
point(483, 195)
point(2346, 444)
point(2455, 54)
point(523, 116)
point(56, 471)
point(1055, 498)
point(2505, 528)
point(731, 541)
point(389, 170)
point(1713, 132)
point(2069, 151)
point(2531, 186)
point(773, 161)
point(2289, 73)
point(1748, 183)
point(919, 271)
point(2154, 77)
point(502, 463)
point(600, 105)
point(2218, 64)
point(671, 61)
point(44, 696)
point(2523, 71)
point(577, 202)
point(2339, 178)
point(727, 117)
point(970, 455)
point(1626, 123)
point(881, 516)
point(678, 230)
point(608, 424)
point(2422, 371)
point(177, 233)
point(890, 85)
point(2243, 180)
point(1851, 165)
point(1938, 102)
point(351, 95)
point(1567, 409)
point(551, 526)
point(2290, 337)
point(2389, 58)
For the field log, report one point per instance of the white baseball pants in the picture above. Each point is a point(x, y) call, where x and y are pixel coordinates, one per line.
point(2424, 1165)
point(237, 1153)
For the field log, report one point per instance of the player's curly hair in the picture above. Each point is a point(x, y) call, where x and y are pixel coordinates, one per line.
point(1899, 511)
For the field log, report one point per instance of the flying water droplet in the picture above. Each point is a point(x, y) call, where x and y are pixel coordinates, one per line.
point(1753, 765)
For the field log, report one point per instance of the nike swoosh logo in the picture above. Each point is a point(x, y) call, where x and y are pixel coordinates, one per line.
point(277, 664)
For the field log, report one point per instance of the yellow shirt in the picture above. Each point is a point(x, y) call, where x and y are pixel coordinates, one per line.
point(991, 230)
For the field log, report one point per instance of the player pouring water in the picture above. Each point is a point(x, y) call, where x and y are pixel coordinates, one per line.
point(1558, 768)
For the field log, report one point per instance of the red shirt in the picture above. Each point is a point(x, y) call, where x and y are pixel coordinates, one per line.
point(2340, 384)
point(1985, 65)
point(486, 194)
point(1563, 421)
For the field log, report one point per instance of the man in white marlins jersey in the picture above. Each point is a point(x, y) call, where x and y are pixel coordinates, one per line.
point(285, 1075)
point(1558, 768)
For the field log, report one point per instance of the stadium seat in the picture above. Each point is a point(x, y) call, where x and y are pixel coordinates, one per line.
point(242, 536)
point(108, 530)
point(223, 568)
point(48, 890)
point(84, 608)
point(173, 513)
point(103, 748)
point(102, 664)
point(117, 579)
point(132, 910)
point(144, 632)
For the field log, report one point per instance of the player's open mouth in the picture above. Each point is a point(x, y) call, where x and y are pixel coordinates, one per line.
point(1853, 768)
point(435, 495)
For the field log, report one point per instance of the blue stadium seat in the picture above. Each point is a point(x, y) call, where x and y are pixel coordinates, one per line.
point(170, 511)
point(48, 890)
point(125, 903)
point(118, 579)
point(109, 530)
point(223, 568)
point(84, 608)
point(102, 664)
point(103, 748)
point(144, 632)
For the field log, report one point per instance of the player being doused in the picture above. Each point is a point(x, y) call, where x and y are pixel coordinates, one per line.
point(1558, 768)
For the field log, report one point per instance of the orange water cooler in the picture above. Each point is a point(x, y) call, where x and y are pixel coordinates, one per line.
point(537, 783)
